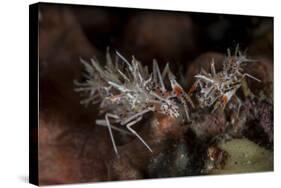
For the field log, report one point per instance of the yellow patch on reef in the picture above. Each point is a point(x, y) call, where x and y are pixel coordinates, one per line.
point(245, 156)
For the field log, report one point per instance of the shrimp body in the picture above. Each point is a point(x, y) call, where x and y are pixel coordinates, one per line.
point(126, 91)
point(217, 89)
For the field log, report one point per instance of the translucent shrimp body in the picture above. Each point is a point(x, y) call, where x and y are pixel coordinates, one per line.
point(126, 91)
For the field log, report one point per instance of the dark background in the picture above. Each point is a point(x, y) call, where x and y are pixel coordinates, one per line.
point(71, 148)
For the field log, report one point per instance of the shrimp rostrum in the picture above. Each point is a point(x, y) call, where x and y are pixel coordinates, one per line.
point(126, 91)
point(217, 89)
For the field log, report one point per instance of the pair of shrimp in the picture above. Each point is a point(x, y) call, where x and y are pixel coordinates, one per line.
point(127, 91)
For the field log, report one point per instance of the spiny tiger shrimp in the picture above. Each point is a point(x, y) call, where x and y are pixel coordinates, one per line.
point(126, 91)
point(218, 88)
